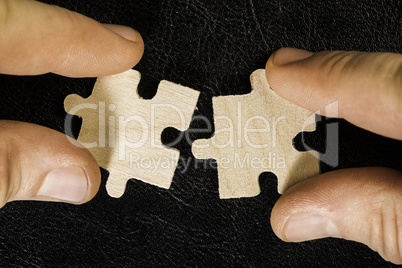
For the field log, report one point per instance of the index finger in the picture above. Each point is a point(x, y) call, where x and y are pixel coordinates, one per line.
point(367, 86)
point(37, 38)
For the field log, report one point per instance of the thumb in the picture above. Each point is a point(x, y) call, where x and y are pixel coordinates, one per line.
point(37, 163)
point(367, 86)
point(359, 204)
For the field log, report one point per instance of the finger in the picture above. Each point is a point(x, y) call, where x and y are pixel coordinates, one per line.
point(37, 38)
point(359, 204)
point(38, 163)
point(367, 86)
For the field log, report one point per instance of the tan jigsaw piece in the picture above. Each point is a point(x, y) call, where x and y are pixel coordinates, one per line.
point(123, 131)
point(254, 133)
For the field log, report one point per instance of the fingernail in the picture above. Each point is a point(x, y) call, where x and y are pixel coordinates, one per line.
point(303, 227)
point(66, 184)
point(125, 31)
point(288, 55)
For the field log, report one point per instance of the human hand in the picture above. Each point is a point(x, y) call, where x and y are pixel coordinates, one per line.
point(360, 204)
point(38, 163)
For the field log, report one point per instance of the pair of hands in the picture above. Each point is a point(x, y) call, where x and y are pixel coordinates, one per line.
point(360, 204)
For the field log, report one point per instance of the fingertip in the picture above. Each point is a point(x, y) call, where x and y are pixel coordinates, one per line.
point(288, 55)
point(121, 54)
point(93, 176)
point(277, 225)
point(273, 74)
point(136, 45)
point(269, 67)
point(275, 69)
point(91, 171)
point(78, 155)
point(125, 31)
point(73, 184)
point(85, 48)
point(46, 165)
point(137, 52)
point(302, 212)
point(70, 184)
point(359, 204)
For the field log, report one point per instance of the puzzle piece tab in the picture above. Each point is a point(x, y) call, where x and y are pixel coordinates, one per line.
point(123, 131)
point(254, 133)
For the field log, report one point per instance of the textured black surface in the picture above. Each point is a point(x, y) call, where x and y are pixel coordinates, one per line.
point(212, 46)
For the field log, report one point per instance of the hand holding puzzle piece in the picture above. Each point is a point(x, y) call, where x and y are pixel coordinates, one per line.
point(253, 134)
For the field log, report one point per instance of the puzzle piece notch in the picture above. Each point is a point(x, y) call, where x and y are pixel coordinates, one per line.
point(254, 133)
point(123, 131)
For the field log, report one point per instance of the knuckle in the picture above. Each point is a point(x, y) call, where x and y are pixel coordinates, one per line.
point(338, 65)
point(338, 62)
point(380, 71)
point(387, 67)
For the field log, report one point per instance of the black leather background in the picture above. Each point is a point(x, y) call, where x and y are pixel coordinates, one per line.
point(211, 46)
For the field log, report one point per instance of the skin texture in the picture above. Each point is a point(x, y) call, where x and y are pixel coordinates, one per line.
point(36, 38)
point(360, 204)
point(30, 151)
point(366, 85)
point(39, 38)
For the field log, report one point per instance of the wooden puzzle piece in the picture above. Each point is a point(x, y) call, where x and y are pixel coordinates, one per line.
point(254, 133)
point(123, 131)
